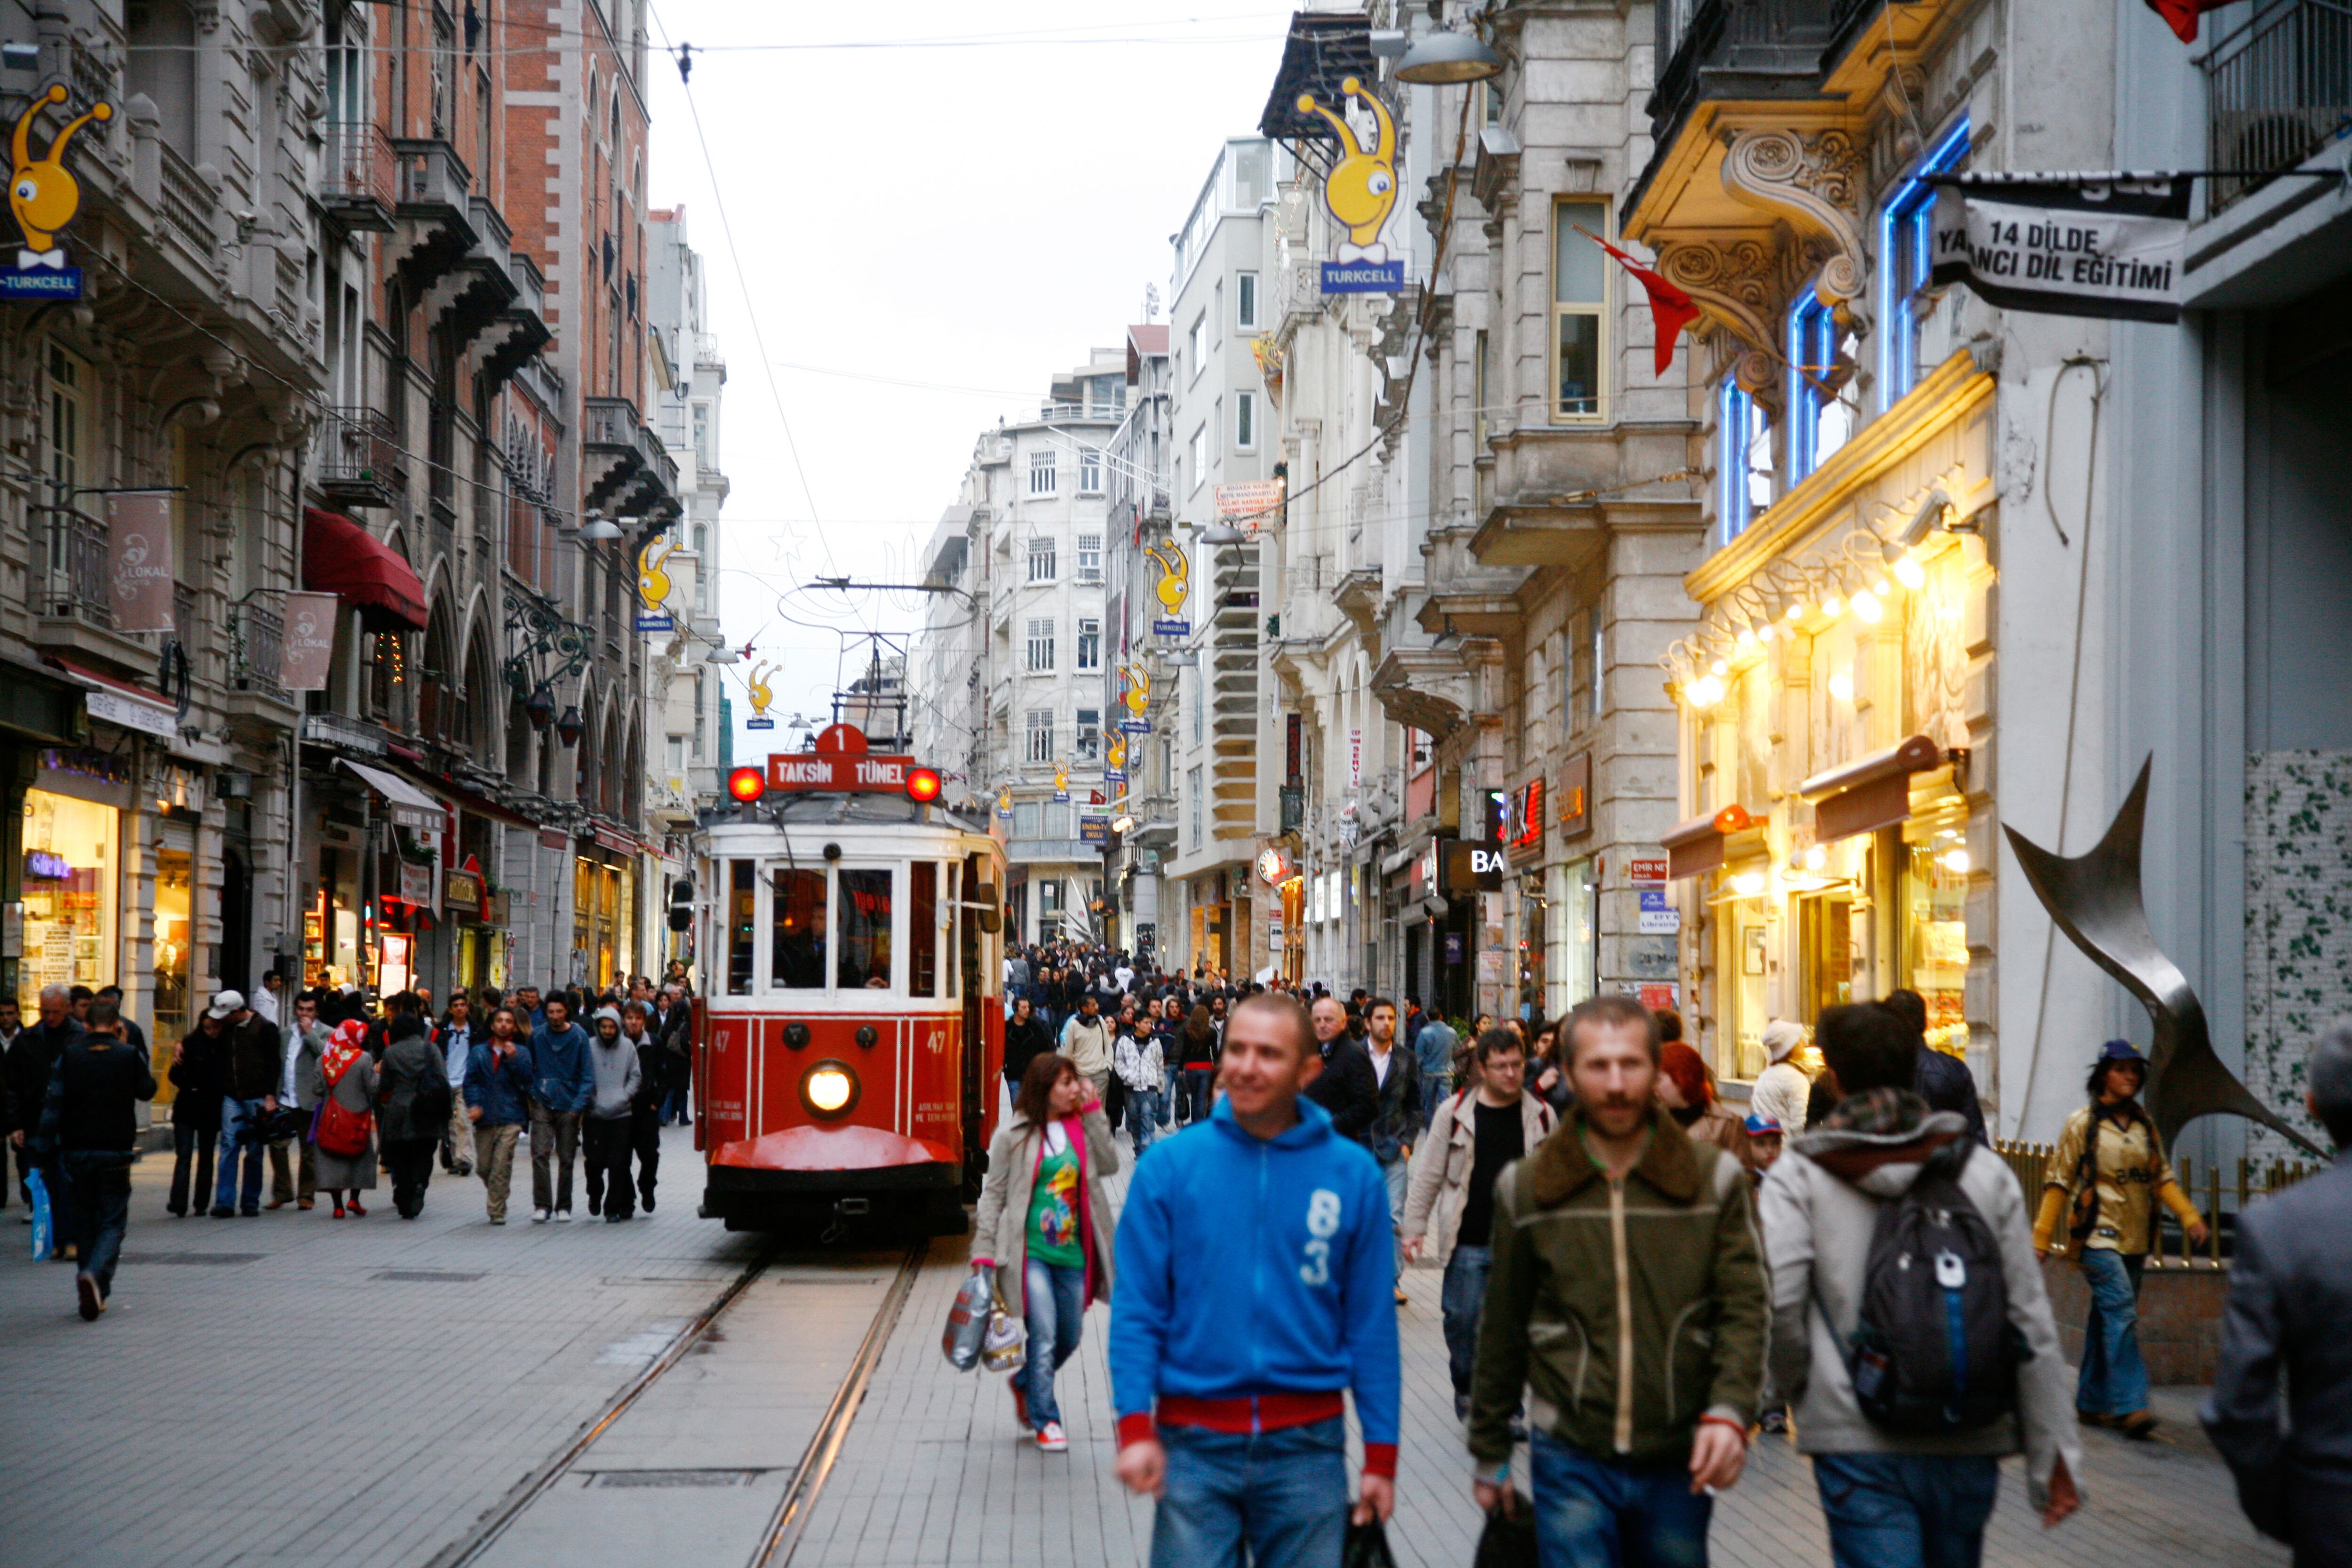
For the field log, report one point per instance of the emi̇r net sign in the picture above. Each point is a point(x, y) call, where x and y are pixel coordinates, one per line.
point(2065, 245)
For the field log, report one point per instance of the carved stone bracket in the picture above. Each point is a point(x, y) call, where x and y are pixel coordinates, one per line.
point(1741, 287)
point(1811, 179)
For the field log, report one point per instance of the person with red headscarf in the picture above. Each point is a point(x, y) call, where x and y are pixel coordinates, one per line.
point(347, 1074)
point(1688, 1095)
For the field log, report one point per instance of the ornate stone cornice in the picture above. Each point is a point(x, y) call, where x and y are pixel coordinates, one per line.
point(1811, 179)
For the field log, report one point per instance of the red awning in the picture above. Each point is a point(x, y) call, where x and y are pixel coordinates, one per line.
point(1871, 793)
point(340, 557)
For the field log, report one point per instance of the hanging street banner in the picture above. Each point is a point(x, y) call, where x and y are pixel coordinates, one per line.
point(1249, 505)
point(139, 559)
point(307, 648)
point(1175, 585)
point(2065, 245)
point(653, 587)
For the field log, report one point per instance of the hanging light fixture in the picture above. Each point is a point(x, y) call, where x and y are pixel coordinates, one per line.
point(540, 708)
point(568, 727)
point(1445, 57)
point(598, 528)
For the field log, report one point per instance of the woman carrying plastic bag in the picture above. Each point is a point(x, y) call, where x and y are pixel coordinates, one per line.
point(1042, 1233)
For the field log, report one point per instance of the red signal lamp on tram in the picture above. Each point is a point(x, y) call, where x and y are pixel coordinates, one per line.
point(922, 785)
point(746, 785)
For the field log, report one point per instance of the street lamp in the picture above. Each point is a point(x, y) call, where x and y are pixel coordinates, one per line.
point(1444, 58)
point(540, 708)
point(598, 528)
point(568, 727)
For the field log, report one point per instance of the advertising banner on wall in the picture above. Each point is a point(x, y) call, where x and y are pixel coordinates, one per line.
point(2065, 245)
point(139, 568)
point(307, 655)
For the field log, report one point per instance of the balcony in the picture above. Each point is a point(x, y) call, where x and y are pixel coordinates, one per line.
point(1738, 50)
point(628, 471)
point(360, 460)
point(2277, 90)
point(258, 651)
point(519, 331)
point(435, 213)
point(74, 612)
point(188, 204)
point(359, 179)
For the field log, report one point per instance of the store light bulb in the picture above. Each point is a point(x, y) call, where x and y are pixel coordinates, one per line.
point(1841, 686)
point(1957, 862)
point(1866, 606)
point(1718, 669)
point(1797, 611)
point(1705, 691)
point(1817, 857)
point(1831, 608)
point(1749, 883)
point(1910, 573)
point(1766, 633)
point(1747, 638)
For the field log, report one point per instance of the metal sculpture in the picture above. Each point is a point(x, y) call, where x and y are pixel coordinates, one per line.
point(2095, 900)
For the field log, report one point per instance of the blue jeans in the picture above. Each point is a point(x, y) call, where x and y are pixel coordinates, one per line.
point(1199, 1091)
point(98, 1210)
point(234, 1114)
point(2114, 1380)
point(1142, 1116)
point(1592, 1514)
point(1054, 1307)
point(1434, 1087)
point(1906, 1511)
point(1282, 1495)
point(1459, 1303)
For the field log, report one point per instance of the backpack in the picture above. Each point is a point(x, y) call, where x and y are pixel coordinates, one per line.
point(1933, 1349)
point(430, 1105)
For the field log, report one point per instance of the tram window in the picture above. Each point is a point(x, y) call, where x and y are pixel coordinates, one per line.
point(796, 955)
point(923, 929)
point(742, 920)
point(951, 985)
point(864, 921)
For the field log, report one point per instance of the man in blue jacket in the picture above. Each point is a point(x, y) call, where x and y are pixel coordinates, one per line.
point(563, 1082)
point(1255, 1266)
point(497, 1102)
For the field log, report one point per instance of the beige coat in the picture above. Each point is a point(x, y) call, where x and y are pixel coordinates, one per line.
point(1439, 1184)
point(1000, 1228)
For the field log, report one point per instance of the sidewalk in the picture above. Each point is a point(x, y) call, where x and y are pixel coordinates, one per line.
point(936, 1472)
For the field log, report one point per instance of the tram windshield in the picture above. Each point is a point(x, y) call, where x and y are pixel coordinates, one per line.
point(797, 925)
point(865, 920)
point(835, 927)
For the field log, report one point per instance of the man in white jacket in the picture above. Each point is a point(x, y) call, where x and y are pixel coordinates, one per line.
point(1894, 1499)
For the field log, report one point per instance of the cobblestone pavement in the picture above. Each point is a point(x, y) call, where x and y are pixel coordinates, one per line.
point(292, 1389)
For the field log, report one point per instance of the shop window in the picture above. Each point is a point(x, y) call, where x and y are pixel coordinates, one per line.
point(796, 957)
point(1743, 460)
point(742, 923)
point(864, 917)
point(1935, 935)
point(1903, 233)
point(175, 947)
point(1821, 363)
point(923, 929)
point(1580, 309)
point(71, 884)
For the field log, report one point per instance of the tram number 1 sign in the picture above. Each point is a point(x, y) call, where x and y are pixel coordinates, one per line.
point(836, 772)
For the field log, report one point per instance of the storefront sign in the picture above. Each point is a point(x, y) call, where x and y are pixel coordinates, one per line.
point(462, 890)
point(2078, 245)
point(1094, 829)
point(1646, 871)
point(1656, 997)
point(554, 838)
point(1361, 191)
point(1658, 917)
point(812, 770)
point(1576, 795)
point(42, 865)
point(416, 883)
point(139, 559)
point(502, 909)
point(1174, 587)
point(307, 653)
point(44, 198)
point(1456, 942)
point(1250, 505)
point(1523, 823)
point(156, 718)
point(1274, 867)
point(1465, 868)
point(1134, 697)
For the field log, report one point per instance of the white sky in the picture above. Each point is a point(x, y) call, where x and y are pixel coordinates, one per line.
point(971, 215)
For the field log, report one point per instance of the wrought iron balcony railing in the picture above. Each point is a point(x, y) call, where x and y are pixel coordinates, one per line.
point(2276, 91)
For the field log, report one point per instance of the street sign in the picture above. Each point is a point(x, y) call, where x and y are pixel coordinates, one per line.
point(1646, 871)
point(1658, 918)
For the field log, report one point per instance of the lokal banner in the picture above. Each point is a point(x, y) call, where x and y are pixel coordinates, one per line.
point(139, 558)
point(306, 655)
point(2065, 245)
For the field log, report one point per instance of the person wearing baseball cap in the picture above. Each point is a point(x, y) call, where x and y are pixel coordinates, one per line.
point(1763, 1144)
point(253, 1063)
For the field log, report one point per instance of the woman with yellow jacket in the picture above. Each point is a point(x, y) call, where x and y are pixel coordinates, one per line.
point(2105, 1180)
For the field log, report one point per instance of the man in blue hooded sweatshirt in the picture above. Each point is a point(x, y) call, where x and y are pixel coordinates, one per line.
point(1252, 1289)
point(563, 1082)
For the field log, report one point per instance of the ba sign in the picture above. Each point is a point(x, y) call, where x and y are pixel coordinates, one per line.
point(1466, 868)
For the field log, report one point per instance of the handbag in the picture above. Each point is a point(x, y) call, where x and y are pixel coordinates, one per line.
point(1508, 1539)
point(340, 1131)
point(44, 1215)
point(1367, 1546)
point(1005, 1347)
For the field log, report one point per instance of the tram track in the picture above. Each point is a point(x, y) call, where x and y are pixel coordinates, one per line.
point(777, 1542)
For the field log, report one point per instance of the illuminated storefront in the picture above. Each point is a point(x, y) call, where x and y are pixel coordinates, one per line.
point(73, 879)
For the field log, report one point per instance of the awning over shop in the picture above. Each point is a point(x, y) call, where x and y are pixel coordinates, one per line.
point(410, 806)
point(118, 702)
point(1700, 844)
point(340, 557)
point(1870, 793)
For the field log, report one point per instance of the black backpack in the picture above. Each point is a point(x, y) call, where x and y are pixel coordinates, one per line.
point(1933, 1349)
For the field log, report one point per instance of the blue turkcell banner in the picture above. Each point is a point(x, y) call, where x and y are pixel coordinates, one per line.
point(1135, 725)
point(655, 623)
point(1171, 628)
point(1363, 277)
point(759, 724)
point(40, 283)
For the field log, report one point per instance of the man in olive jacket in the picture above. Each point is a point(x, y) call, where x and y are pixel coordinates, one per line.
point(1628, 1295)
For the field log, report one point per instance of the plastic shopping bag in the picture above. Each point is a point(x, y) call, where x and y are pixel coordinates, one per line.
point(44, 1219)
point(967, 1322)
point(1005, 1347)
point(1366, 1546)
point(1509, 1539)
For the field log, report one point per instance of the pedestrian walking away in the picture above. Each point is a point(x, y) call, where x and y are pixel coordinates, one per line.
point(1264, 1216)
point(2290, 1299)
point(563, 1082)
point(607, 1123)
point(199, 1078)
point(1842, 1211)
point(413, 1110)
point(1628, 1299)
point(2103, 1183)
point(1449, 1208)
point(88, 1123)
point(345, 1130)
point(1434, 1045)
point(498, 1102)
point(1780, 1092)
point(1044, 1228)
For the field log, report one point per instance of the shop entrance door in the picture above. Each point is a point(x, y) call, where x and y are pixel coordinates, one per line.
point(236, 966)
point(1834, 934)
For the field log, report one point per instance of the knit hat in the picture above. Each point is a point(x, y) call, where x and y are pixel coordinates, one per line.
point(1782, 1038)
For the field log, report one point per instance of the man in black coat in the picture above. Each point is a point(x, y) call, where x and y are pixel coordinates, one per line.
point(672, 1028)
point(1346, 1086)
point(32, 1055)
point(199, 1075)
point(256, 1064)
point(89, 1126)
point(1944, 1080)
point(1025, 1040)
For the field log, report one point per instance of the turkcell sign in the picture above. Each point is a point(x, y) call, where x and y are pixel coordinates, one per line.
point(1135, 725)
point(1363, 277)
point(40, 283)
point(655, 623)
point(759, 724)
point(836, 772)
point(1165, 628)
point(1114, 775)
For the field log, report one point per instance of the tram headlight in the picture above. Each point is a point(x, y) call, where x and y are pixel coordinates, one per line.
point(829, 1089)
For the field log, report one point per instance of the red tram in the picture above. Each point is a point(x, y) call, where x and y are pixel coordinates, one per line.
point(852, 1021)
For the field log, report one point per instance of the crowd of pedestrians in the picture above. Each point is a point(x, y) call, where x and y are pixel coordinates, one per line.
point(320, 1092)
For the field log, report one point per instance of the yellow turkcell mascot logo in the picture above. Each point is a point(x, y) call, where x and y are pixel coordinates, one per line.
point(653, 582)
point(40, 193)
point(756, 685)
point(1114, 758)
point(1139, 690)
point(1175, 583)
point(1361, 189)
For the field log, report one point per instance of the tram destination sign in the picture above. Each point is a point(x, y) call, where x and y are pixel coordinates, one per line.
point(837, 772)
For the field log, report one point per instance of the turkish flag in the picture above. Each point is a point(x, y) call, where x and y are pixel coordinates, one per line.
point(2180, 16)
point(1671, 309)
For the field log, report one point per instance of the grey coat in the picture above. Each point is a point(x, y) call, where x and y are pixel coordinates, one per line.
point(1000, 1229)
point(356, 1092)
point(407, 1063)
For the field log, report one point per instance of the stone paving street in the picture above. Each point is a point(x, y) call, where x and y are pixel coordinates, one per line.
point(291, 1390)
